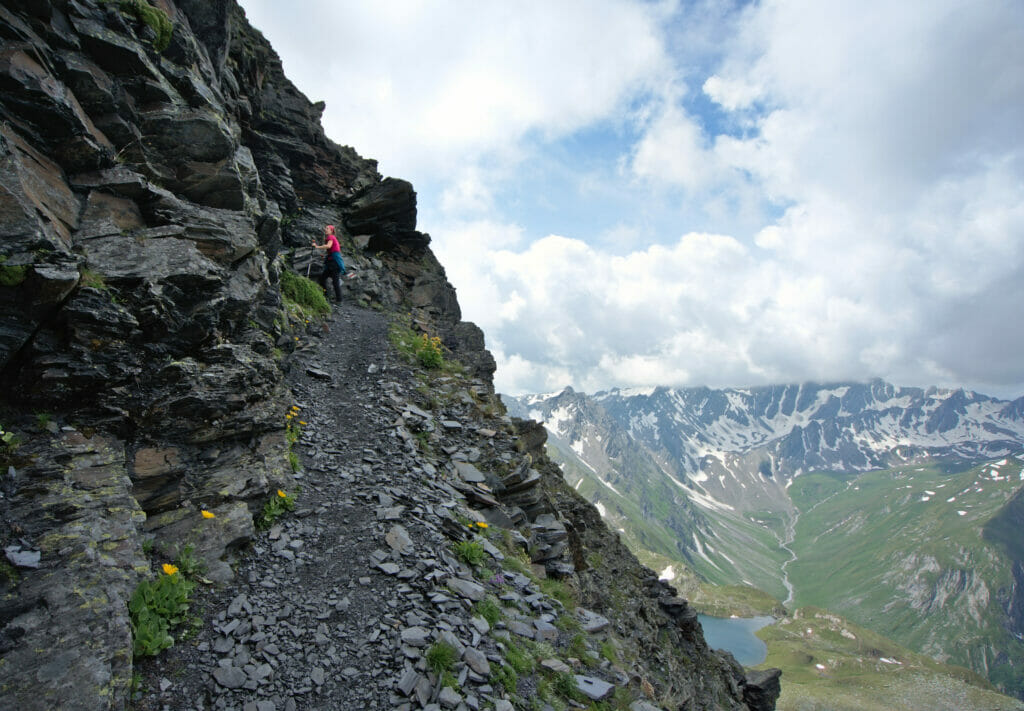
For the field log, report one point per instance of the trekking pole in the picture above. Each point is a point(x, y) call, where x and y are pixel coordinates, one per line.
point(309, 266)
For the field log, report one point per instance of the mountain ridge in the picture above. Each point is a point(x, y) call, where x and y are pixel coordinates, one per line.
point(850, 426)
point(738, 456)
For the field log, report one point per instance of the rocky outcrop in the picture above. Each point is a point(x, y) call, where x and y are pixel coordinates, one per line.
point(151, 196)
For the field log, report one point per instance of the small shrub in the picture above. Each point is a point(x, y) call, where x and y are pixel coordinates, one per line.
point(609, 652)
point(489, 609)
point(423, 439)
point(155, 18)
point(564, 684)
point(8, 573)
point(91, 279)
point(276, 506)
point(293, 431)
point(547, 696)
point(448, 679)
point(187, 562)
point(8, 441)
point(558, 590)
point(519, 565)
point(471, 552)
point(440, 657)
point(568, 623)
point(505, 676)
point(420, 347)
point(578, 645)
point(428, 351)
point(542, 650)
point(155, 607)
point(303, 292)
point(518, 659)
point(11, 276)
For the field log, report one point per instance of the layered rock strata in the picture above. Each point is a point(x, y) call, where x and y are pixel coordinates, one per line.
point(151, 195)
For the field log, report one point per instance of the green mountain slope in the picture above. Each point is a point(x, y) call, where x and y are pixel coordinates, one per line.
point(842, 552)
point(830, 664)
point(901, 551)
point(667, 532)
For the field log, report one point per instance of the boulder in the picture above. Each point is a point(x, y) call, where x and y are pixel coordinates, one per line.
point(762, 688)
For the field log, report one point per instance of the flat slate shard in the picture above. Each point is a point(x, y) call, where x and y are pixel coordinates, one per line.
point(594, 688)
point(415, 636)
point(467, 588)
point(230, 677)
point(398, 539)
point(469, 473)
point(407, 683)
point(22, 558)
point(591, 621)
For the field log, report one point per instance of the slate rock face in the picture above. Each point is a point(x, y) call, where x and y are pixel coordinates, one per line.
point(146, 200)
point(66, 641)
point(149, 204)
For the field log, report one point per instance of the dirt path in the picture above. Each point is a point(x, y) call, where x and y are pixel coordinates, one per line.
point(300, 626)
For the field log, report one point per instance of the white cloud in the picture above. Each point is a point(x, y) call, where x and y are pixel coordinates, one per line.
point(426, 87)
point(471, 192)
point(864, 160)
point(875, 101)
point(706, 309)
point(674, 149)
point(731, 94)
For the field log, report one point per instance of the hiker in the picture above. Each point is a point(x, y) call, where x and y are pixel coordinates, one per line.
point(334, 265)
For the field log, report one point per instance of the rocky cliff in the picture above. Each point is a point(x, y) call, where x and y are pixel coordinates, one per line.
point(159, 174)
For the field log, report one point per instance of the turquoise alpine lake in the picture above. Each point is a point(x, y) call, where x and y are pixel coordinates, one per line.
point(736, 635)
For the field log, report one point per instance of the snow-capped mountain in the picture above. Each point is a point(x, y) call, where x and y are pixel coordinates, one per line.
point(737, 446)
point(877, 500)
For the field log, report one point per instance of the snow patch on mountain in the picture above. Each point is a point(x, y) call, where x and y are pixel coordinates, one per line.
point(701, 499)
point(699, 548)
point(557, 418)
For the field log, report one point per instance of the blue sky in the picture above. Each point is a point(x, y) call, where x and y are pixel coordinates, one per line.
point(699, 193)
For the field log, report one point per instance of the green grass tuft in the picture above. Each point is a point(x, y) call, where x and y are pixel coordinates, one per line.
point(471, 552)
point(155, 18)
point(488, 609)
point(440, 657)
point(304, 293)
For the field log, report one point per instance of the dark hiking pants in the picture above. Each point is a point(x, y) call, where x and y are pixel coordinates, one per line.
point(332, 270)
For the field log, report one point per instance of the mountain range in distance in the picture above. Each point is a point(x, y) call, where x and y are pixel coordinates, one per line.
point(899, 508)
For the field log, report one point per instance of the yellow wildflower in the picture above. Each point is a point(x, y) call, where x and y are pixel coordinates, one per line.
point(208, 514)
point(301, 422)
point(170, 569)
point(481, 524)
point(282, 494)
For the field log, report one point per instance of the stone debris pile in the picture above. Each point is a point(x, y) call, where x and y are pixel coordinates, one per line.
point(341, 604)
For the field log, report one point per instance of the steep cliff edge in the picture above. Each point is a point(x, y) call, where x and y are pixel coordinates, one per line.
point(150, 201)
